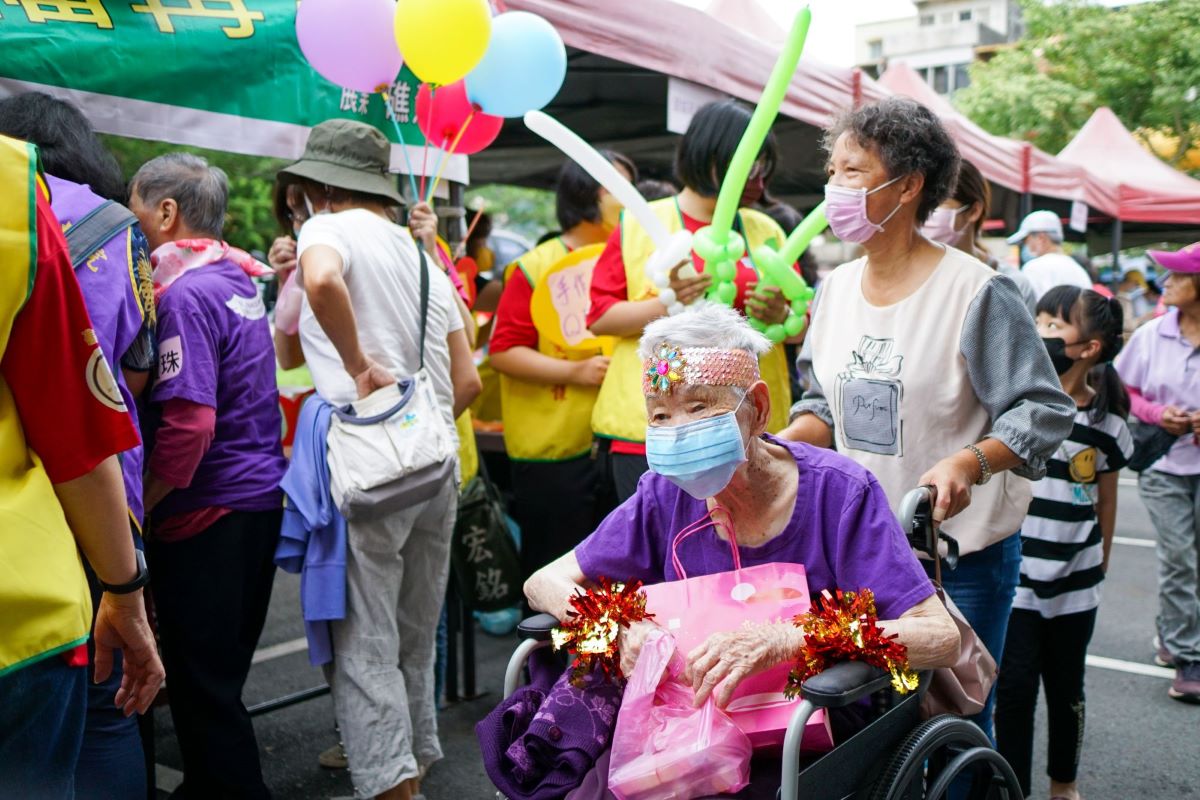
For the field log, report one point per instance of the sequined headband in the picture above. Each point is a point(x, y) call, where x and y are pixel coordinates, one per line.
point(703, 366)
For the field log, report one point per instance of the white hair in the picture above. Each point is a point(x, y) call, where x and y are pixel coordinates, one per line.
point(704, 325)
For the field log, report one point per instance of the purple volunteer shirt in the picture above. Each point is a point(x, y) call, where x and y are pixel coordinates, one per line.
point(112, 281)
point(1163, 365)
point(842, 531)
point(214, 348)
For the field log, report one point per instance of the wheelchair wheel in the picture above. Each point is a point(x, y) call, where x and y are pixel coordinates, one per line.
point(938, 751)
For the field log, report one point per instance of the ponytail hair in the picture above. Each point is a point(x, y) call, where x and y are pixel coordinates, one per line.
point(1100, 318)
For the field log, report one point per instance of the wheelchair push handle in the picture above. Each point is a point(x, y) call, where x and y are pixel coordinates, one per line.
point(916, 518)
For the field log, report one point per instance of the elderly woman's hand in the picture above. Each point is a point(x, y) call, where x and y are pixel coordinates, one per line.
point(423, 222)
point(733, 656)
point(767, 305)
point(629, 644)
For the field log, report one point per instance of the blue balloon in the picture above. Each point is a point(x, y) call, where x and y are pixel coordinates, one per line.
point(523, 69)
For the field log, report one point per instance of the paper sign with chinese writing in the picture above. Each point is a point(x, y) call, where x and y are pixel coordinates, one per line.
point(561, 300)
point(222, 74)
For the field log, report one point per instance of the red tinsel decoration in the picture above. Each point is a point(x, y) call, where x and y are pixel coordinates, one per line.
point(591, 630)
point(845, 628)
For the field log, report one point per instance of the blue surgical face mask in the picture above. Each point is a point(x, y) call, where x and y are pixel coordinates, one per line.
point(699, 457)
point(1027, 255)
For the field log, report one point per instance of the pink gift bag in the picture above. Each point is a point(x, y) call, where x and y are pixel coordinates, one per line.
point(691, 609)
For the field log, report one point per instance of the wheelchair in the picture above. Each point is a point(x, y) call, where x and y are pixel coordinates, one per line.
point(896, 756)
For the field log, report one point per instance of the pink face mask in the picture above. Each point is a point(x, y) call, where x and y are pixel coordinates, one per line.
point(942, 226)
point(846, 210)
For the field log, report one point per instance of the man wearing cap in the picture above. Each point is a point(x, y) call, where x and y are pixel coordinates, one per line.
point(360, 330)
point(1161, 368)
point(212, 492)
point(1045, 263)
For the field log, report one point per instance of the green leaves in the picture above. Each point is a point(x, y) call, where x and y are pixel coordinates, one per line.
point(1142, 61)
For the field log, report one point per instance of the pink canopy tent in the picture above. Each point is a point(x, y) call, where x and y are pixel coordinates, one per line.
point(1147, 189)
point(623, 56)
point(1010, 163)
point(701, 47)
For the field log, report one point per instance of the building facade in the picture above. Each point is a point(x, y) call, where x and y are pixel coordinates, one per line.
point(940, 40)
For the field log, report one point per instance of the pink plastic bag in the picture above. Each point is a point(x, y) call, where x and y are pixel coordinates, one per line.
point(663, 748)
point(288, 304)
point(692, 609)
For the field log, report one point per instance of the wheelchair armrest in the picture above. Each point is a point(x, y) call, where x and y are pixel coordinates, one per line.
point(537, 627)
point(843, 684)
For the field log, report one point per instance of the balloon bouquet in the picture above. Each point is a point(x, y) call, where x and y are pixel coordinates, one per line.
point(475, 69)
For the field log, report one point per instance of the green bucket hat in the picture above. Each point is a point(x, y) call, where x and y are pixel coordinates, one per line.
point(348, 155)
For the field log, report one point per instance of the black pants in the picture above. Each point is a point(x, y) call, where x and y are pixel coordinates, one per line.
point(619, 472)
point(1050, 652)
point(211, 592)
point(557, 504)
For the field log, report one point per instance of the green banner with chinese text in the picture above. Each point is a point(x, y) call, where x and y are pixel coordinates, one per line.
point(223, 74)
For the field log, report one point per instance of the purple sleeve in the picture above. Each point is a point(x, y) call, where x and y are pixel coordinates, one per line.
point(872, 553)
point(187, 363)
point(628, 544)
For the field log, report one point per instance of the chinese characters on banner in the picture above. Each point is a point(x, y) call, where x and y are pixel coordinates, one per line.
point(239, 19)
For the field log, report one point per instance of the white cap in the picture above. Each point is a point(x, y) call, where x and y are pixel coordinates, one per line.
point(1038, 222)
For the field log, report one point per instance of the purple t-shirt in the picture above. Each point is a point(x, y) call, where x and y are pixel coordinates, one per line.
point(112, 284)
point(1163, 365)
point(842, 531)
point(214, 348)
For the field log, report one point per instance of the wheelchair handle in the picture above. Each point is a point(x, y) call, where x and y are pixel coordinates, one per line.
point(916, 518)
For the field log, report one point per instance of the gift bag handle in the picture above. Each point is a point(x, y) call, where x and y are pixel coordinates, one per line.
point(696, 527)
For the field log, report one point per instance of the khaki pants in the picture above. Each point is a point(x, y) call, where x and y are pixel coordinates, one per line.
point(382, 670)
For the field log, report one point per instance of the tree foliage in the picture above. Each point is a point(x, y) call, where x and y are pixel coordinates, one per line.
point(1142, 61)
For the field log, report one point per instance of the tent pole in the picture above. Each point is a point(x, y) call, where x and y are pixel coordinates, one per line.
point(1116, 246)
point(1026, 205)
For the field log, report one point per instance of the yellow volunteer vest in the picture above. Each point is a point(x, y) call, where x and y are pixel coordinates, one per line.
point(620, 411)
point(44, 602)
point(468, 452)
point(545, 422)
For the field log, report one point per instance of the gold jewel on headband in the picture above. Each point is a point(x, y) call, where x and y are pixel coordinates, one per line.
point(670, 366)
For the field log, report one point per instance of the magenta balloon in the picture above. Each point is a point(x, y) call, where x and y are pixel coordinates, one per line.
point(350, 42)
point(441, 114)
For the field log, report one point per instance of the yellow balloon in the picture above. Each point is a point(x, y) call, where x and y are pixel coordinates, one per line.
point(442, 40)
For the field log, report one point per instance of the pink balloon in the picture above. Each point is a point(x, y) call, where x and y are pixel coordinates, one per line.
point(442, 114)
point(350, 42)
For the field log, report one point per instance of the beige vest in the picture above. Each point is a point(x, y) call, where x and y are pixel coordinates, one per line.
point(898, 388)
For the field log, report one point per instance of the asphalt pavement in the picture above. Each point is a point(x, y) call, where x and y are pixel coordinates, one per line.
point(1139, 744)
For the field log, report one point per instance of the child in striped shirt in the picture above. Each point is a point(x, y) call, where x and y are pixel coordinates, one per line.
point(1065, 541)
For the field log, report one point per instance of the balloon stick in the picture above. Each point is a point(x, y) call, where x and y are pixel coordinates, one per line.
point(425, 154)
point(461, 250)
point(390, 113)
point(445, 154)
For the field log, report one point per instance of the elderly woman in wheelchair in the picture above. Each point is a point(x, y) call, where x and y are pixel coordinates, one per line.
point(713, 462)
